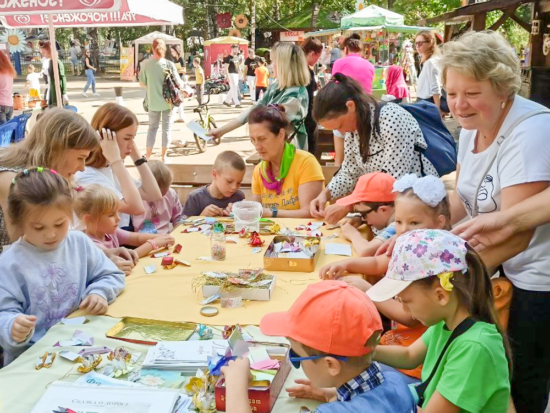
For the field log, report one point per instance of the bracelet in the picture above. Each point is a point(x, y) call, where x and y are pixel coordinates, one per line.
point(140, 161)
point(153, 244)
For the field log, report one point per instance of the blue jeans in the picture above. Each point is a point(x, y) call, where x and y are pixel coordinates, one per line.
point(91, 80)
point(6, 113)
point(154, 120)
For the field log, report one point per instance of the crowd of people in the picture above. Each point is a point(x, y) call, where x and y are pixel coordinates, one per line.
point(466, 308)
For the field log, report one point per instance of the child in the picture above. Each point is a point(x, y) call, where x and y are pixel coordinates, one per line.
point(97, 207)
point(50, 271)
point(444, 284)
point(333, 331)
point(33, 83)
point(162, 216)
point(373, 198)
point(395, 82)
point(199, 79)
point(217, 199)
point(262, 77)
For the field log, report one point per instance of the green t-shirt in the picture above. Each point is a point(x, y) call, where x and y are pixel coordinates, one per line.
point(152, 75)
point(473, 373)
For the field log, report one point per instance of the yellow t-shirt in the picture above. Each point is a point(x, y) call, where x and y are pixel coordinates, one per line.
point(199, 76)
point(304, 169)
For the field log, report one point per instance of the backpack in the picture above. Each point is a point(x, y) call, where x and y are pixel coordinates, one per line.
point(441, 146)
point(171, 90)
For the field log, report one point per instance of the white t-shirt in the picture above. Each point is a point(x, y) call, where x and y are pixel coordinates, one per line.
point(34, 81)
point(523, 157)
point(106, 178)
point(73, 53)
point(429, 83)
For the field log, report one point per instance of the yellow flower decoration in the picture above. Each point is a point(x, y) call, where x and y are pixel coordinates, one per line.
point(445, 280)
point(275, 228)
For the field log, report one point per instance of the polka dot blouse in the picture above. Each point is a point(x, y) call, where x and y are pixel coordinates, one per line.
point(391, 151)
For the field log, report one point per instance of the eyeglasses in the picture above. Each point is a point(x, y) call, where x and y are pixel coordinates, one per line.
point(417, 44)
point(374, 208)
point(295, 359)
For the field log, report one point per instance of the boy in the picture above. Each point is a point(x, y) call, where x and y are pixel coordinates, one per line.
point(33, 83)
point(218, 198)
point(333, 331)
point(199, 79)
point(262, 77)
point(373, 199)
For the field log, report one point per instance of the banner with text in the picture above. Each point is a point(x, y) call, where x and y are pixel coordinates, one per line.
point(10, 7)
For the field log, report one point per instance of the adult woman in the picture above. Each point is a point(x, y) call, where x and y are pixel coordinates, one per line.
point(429, 85)
point(353, 65)
point(481, 74)
point(90, 74)
point(385, 144)
point(287, 179)
point(105, 165)
point(152, 77)
point(7, 73)
point(289, 90)
point(46, 51)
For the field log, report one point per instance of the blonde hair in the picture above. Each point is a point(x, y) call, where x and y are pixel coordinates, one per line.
point(443, 208)
point(95, 200)
point(292, 69)
point(429, 36)
point(31, 68)
point(162, 173)
point(484, 56)
point(159, 47)
point(56, 131)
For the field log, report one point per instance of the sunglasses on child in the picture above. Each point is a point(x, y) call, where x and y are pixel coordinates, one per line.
point(296, 360)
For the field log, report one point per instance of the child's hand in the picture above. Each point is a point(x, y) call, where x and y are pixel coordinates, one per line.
point(355, 221)
point(95, 304)
point(357, 282)
point(347, 230)
point(212, 211)
point(237, 373)
point(22, 326)
point(228, 210)
point(333, 271)
point(306, 390)
point(164, 241)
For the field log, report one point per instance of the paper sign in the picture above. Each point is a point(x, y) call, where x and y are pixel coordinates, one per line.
point(198, 130)
point(74, 321)
point(338, 249)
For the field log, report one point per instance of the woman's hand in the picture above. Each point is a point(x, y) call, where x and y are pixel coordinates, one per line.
point(306, 390)
point(317, 206)
point(334, 213)
point(164, 241)
point(333, 271)
point(216, 134)
point(485, 231)
point(357, 282)
point(109, 145)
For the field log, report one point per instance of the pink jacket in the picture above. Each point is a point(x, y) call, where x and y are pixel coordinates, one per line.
point(359, 69)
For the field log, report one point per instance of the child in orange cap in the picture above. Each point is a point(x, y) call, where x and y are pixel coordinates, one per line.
point(333, 331)
point(373, 199)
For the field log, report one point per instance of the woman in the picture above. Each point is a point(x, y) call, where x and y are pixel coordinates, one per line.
point(481, 74)
point(46, 51)
point(353, 65)
point(429, 85)
point(287, 179)
point(90, 74)
point(7, 73)
point(177, 58)
point(105, 165)
point(289, 90)
point(152, 77)
point(375, 140)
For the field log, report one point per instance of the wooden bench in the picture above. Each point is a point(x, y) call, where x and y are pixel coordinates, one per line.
point(187, 178)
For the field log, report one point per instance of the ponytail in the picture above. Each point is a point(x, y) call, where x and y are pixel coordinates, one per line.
point(331, 101)
point(352, 43)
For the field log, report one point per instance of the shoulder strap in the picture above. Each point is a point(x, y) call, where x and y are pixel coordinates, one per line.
point(500, 140)
point(457, 332)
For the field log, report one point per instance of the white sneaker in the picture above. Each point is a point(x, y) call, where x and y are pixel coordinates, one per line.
point(84, 94)
point(96, 94)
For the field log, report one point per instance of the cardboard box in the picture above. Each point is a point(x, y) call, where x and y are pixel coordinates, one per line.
point(261, 401)
point(291, 264)
point(252, 294)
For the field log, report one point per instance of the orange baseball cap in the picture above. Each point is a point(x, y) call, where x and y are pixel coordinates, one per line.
point(373, 187)
point(329, 316)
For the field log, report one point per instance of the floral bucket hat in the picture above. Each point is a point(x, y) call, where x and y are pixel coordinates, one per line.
point(421, 254)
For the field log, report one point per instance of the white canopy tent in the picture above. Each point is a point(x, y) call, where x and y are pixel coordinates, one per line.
point(148, 39)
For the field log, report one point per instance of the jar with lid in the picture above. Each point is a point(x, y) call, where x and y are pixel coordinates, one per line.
point(218, 242)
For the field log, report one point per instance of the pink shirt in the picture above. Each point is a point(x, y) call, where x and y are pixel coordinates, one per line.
point(359, 69)
point(112, 240)
point(395, 83)
point(6, 89)
point(159, 215)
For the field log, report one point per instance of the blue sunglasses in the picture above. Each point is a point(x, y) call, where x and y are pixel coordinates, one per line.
point(295, 359)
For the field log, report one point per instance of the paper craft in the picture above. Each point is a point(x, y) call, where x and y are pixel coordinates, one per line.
point(177, 249)
point(150, 269)
point(94, 350)
point(167, 261)
point(45, 361)
point(70, 355)
point(80, 338)
point(210, 299)
point(232, 239)
point(74, 321)
point(235, 336)
point(97, 380)
point(210, 220)
point(258, 354)
point(256, 250)
point(198, 130)
point(161, 254)
point(338, 249)
point(265, 365)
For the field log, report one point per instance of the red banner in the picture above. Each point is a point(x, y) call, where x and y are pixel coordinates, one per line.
point(10, 7)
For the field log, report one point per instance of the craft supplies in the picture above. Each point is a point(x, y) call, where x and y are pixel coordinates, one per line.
point(247, 215)
point(232, 300)
point(338, 249)
point(177, 249)
point(150, 332)
point(218, 242)
point(252, 284)
point(167, 261)
point(89, 363)
point(161, 254)
point(80, 338)
point(255, 240)
point(209, 311)
point(150, 269)
point(45, 361)
point(205, 333)
point(298, 254)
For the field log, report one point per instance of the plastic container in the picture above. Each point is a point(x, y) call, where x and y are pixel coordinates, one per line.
point(247, 215)
point(218, 245)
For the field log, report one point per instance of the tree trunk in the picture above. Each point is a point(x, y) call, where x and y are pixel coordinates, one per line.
point(75, 33)
point(253, 24)
point(315, 14)
point(215, 11)
point(94, 47)
point(390, 4)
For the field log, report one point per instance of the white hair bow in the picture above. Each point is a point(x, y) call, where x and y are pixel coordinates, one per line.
point(429, 188)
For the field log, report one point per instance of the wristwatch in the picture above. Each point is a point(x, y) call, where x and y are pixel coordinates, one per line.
point(140, 161)
point(274, 211)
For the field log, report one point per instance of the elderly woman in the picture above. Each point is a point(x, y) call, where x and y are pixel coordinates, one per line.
point(287, 179)
point(289, 90)
point(504, 158)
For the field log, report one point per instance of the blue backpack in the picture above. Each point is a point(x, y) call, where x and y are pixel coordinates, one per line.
point(441, 150)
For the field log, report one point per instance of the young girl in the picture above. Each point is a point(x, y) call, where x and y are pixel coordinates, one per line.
point(421, 203)
point(442, 283)
point(50, 271)
point(97, 207)
point(162, 216)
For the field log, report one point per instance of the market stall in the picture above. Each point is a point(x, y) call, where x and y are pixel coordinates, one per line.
point(214, 48)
